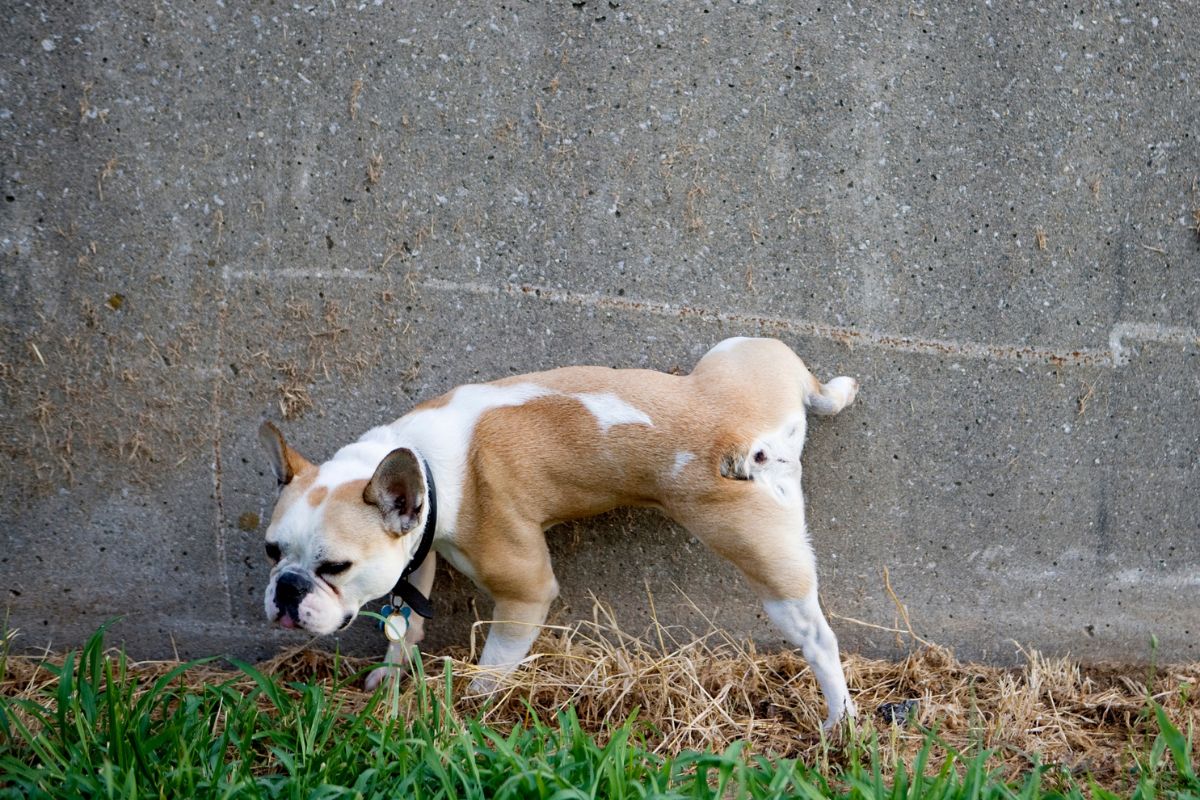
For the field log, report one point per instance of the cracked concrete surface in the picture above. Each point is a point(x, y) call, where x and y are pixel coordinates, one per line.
point(326, 213)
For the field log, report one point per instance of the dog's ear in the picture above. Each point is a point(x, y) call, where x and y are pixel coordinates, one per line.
point(285, 461)
point(398, 489)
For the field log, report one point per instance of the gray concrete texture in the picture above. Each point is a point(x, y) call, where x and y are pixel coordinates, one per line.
point(325, 212)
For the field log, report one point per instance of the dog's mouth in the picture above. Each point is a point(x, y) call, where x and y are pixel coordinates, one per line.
point(290, 621)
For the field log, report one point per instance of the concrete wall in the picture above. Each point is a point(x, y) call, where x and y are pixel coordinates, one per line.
point(324, 212)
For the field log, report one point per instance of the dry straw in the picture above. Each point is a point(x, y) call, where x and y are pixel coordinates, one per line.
point(708, 691)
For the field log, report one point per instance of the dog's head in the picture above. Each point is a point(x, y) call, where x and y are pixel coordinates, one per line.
point(338, 541)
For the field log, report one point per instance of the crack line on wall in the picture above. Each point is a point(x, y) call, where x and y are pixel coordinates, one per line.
point(218, 488)
point(1117, 354)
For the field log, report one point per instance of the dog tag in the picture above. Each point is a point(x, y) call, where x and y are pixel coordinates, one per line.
point(396, 625)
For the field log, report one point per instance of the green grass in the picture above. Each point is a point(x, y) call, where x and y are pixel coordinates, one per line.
point(96, 730)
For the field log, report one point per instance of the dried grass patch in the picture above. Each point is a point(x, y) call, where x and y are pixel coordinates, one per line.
point(707, 692)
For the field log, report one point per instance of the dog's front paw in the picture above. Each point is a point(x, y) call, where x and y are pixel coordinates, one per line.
point(380, 674)
point(484, 684)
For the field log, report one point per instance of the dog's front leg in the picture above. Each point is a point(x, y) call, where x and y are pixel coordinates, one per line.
point(400, 654)
point(395, 664)
point(512, 564)
point(512, 633)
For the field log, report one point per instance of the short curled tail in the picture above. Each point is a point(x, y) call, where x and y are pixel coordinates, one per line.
point(832, 397)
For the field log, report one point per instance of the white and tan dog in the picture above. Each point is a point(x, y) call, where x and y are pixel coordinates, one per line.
point(483, 471)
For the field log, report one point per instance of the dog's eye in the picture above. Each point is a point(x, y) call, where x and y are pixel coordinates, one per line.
point(333, 568)
point(273, 552)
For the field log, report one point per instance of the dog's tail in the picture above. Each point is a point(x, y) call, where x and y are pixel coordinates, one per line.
point(773, 360)
point(828, 398)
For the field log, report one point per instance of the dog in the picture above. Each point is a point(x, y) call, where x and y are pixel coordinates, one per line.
point(477, 475)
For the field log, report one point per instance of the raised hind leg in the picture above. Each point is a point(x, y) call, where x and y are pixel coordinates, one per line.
point(767, 541)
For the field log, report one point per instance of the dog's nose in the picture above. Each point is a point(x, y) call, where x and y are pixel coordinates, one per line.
point(290, 589)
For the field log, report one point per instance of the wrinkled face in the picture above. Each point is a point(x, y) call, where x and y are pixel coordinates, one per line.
point(337, 542)
point(331, 555)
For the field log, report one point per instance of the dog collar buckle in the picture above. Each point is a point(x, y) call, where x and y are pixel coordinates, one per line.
point(394, 622)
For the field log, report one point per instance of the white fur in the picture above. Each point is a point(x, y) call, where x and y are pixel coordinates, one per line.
point(805, 626)
point(682, 459)
point(727, 344)
point(779, 473)
point(610, 410)
point(507, 644)
point(834, 396)
point(844, 387)
point(355, 461)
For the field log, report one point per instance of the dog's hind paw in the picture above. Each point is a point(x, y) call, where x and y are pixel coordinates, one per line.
point(847, 714)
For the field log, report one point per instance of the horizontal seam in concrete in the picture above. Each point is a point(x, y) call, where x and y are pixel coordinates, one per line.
point(1116, 355)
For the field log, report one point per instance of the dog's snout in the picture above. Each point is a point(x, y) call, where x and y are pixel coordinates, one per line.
point(290, 589)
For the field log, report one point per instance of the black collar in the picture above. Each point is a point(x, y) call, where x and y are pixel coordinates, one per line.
point(404, 590)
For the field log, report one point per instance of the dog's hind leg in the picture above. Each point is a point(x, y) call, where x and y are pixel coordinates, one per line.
point(802, 622)
point(789, 596)
point(768, 543)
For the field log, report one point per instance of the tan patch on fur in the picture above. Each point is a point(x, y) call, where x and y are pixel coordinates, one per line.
point(352, 520)
point(317, 496)
point(350, 492)
point(436, 402)
point(525, 468)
